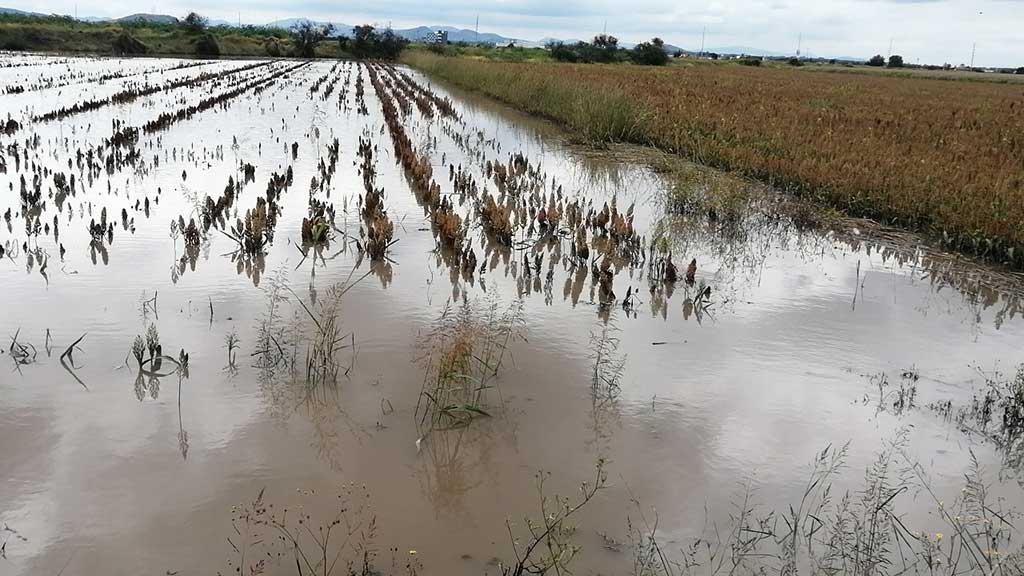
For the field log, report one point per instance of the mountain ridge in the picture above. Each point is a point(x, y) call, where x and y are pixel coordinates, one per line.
point(416, 33)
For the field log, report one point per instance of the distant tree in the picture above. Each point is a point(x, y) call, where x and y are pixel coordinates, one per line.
point(795, 62)
point(390, 45)
point(606, 41)
point(366, 42)
point(362, 40)
point(650, 53)
point(604, 48)
point(750, 61)
point(713, 55)
point(562, 52)
point(1019, 70)
point(195, 23)
point(895, 61)
point(343, 42)
point(876, 60)
point(308, 35)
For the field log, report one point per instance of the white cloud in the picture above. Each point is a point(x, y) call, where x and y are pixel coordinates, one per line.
point(929, 31)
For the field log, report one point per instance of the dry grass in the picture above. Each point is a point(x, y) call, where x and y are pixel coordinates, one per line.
point(940, 157)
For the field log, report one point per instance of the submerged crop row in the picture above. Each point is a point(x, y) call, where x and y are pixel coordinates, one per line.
point(939, 157)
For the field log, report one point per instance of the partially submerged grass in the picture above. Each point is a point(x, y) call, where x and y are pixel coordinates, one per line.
point(858, 533)
point(307, 541)
point(462, 355)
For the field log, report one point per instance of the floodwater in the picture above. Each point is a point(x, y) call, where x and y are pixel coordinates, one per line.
point(108, 471)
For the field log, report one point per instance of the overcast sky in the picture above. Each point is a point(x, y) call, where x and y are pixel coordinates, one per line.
point(929, 31)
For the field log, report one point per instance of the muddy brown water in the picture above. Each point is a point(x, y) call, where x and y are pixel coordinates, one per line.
point(112, 477)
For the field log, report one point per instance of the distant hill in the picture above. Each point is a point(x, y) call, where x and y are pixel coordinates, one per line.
point(420, 33)
point(416, 34)
point(149, 18)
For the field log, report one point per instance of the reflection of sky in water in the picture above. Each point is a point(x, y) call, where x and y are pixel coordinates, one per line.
point(774, 372)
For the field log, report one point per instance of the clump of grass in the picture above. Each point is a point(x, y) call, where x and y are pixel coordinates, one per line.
point(152, 340)
point(380, 232)
point(139, 350)
point(306, 538)
point(859, 532)
point(462, 356)
point(316, 228)
point(549, 546)
point(609, 364)
point(231, 342)
point(496, 218)
point(255, 232)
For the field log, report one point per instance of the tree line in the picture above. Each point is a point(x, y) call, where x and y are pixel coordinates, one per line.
point(605, 49)
point(366, 42)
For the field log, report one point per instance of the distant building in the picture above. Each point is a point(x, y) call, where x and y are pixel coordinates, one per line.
point(439, 38)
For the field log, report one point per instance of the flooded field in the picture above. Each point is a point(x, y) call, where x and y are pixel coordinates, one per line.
point(234, 288)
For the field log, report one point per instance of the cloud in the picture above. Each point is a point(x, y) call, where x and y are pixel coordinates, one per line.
point(933, 31)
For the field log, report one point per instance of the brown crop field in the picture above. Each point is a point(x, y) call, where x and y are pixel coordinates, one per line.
point(945, 158)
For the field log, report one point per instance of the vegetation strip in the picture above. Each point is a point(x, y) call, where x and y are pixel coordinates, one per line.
point(937, 157)
point(129, 135)
point(132, 94)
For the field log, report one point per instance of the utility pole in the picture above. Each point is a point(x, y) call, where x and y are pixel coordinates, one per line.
point(477, 29)
point(799, 43)
point(889, 55)
point(974, 48)
point(703, 35)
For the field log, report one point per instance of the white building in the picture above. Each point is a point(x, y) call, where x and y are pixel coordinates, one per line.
point(439, 37)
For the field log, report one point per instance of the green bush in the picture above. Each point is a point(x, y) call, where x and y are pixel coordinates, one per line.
point(368, 43)
point(650, 53)
point(14, 44)
point(749, 61)
point(604, 49)
point(127, 45)
point(876, 60)
point(207, 46)
point(272, 47)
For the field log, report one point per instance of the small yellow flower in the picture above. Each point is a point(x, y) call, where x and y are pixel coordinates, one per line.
point(412, 552)
point(938, 536)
